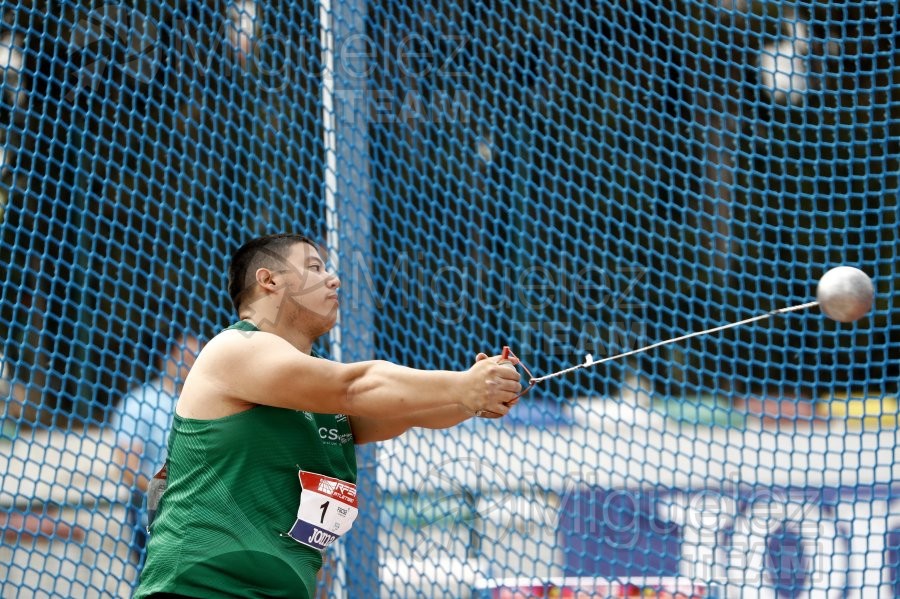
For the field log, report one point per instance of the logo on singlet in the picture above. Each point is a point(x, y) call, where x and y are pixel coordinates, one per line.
point(334, 435)
point(321, 539)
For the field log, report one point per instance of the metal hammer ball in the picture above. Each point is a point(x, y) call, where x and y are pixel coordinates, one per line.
point(845, 294)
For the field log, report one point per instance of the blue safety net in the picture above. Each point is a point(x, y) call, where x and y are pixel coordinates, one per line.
point(572, 180)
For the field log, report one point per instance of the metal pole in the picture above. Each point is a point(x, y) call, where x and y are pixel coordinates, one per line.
point(347, 214)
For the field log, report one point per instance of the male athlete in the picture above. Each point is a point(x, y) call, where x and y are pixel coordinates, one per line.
point(261, 460)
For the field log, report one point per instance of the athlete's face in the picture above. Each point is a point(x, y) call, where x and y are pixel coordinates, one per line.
point(310, 291)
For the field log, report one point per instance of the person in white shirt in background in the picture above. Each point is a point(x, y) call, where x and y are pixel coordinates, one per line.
point(141, 422)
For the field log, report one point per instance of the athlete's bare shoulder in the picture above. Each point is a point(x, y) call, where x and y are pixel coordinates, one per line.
point(238, 370)
point(210, 388)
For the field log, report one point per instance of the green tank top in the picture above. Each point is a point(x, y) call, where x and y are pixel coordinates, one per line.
point(221, 529)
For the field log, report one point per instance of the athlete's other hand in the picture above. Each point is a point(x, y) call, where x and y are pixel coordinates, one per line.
point(509, 392)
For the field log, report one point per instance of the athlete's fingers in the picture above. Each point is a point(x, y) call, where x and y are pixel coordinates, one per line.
point(499, 411)
point(489, 414)
point(509, 373)
point(509, 386)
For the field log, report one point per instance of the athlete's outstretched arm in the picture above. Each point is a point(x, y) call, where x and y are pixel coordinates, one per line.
point(261, 368)
point(368, 430)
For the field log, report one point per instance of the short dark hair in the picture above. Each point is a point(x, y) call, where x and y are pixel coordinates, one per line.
point(255, 254)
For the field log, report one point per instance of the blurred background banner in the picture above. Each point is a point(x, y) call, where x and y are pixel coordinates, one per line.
point(558, 176)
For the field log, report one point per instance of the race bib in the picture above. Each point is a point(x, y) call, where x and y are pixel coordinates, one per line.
point(328, 507)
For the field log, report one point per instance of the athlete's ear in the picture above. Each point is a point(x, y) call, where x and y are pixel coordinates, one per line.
point(265, 278)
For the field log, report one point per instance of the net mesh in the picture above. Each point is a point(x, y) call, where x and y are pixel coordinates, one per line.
point(567, 178)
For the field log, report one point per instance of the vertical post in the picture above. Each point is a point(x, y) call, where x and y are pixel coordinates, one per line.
point(81, 393)
point(345, 70)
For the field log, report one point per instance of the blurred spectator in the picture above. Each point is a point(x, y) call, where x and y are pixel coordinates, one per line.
point(783, 64)
point(242, 29)
point(12, 63)
point(18, 412)
point(11, 407)
point(12, 92)
point(141, 423)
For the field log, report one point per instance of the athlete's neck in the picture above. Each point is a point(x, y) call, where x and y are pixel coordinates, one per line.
point(292, 336)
